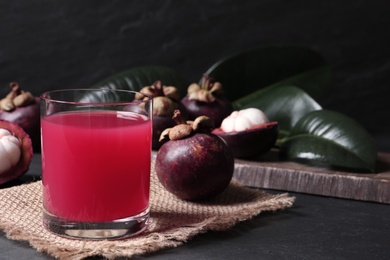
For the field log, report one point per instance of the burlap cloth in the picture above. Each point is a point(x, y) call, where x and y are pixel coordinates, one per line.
point(173, 221)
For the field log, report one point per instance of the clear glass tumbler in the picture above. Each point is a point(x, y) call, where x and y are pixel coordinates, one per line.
point(96, 156)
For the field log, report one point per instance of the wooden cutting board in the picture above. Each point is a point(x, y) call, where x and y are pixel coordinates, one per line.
point(270, 173)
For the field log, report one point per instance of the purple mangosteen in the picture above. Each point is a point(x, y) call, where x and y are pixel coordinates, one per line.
point(207, 99)
point(194, 164)
point(22, 108)
point(166, 100)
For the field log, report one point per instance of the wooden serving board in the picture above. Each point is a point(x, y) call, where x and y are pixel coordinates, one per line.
point(270, 173)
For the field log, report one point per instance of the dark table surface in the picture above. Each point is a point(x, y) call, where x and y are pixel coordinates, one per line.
point(314, 228)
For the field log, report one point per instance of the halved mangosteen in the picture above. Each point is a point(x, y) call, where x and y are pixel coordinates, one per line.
point(248, 132)
point(15, 152)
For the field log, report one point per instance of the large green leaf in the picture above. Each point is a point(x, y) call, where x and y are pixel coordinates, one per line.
point(248, 71)
point(333, 138)
point(285, 104)
point(136, 78)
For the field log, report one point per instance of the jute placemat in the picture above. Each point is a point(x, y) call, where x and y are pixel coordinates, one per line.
point(173, 221)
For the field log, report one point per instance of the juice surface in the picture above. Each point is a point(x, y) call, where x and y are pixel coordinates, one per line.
point(96, 165)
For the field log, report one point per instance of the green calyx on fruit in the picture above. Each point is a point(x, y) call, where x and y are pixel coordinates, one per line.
point(206, 92)
point(183, 129)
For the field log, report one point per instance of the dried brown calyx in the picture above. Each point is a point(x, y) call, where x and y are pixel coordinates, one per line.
point(165, 98)
point(206, 92)
point(16, 98)
point(158, 89)
point(183, 129)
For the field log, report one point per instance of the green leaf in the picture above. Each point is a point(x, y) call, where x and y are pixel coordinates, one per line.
point(332, 138)
point(284, 104)
point(136, 78)
point(248, 71)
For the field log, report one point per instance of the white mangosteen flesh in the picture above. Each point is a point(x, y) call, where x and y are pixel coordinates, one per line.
point(10, 150)
point(244, 119)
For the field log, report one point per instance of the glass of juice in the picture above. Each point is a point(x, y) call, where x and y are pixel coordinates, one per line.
point(96, 159)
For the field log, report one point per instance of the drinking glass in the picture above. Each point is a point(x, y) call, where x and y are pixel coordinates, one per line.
point(96, 159)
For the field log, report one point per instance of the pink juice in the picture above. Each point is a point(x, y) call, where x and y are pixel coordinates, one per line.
point(96, 165)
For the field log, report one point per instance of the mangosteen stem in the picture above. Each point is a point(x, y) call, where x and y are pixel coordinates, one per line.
point(206, 82)
point(210, 89)
point(156, 89)
point(15, 88)
point(159, 87)
point(178, 117)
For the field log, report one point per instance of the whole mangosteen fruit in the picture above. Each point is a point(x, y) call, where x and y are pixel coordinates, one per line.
point(194, 164)
point(248, 132)
point(207, 99)
point(166, 100)
point(15, 151)
point(22, 108)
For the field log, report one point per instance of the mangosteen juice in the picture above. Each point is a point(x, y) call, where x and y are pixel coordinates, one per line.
point(96, 173)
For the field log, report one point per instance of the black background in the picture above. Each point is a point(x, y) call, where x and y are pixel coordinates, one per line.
point(52, 44)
